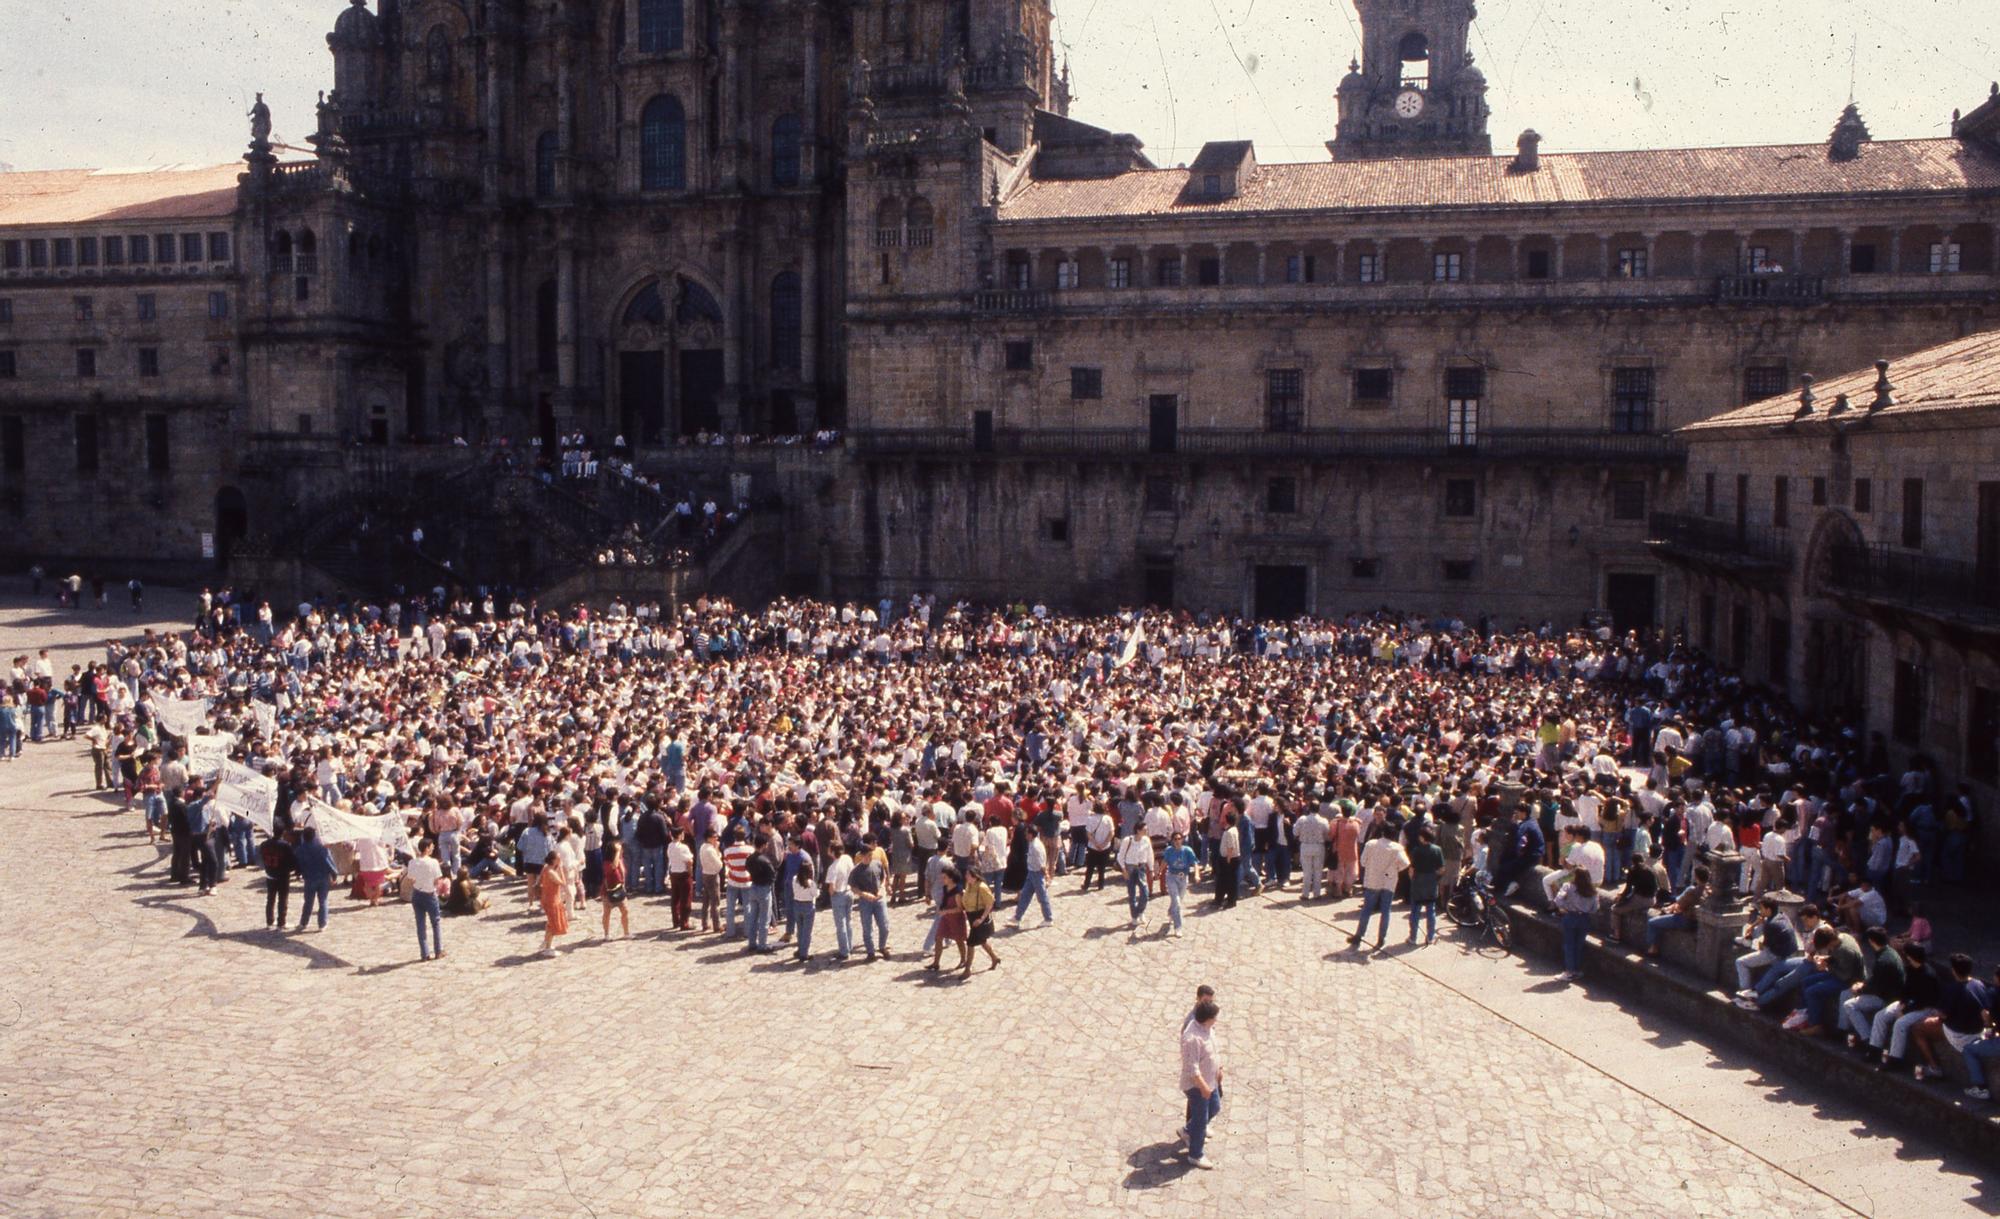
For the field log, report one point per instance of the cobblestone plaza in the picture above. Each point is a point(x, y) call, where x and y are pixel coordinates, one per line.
point(162, 1054)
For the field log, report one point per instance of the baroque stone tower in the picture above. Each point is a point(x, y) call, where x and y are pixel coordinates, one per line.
point(1415, 91)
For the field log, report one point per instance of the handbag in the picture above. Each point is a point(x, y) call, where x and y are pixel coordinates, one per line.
point(615, 894)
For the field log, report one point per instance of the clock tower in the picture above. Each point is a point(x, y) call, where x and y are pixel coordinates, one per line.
point(1414, 92)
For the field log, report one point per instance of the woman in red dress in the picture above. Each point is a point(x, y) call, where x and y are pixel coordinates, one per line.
point(554, 885)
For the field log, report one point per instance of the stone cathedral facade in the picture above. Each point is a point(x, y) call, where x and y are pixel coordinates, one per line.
point(1411, 373)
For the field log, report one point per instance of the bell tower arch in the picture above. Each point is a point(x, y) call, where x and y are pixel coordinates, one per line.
point(1415, 91)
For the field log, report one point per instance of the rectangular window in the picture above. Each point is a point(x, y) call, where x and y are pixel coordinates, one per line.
point(1209, 272)
point(218, 306)
point(1632, 264)
point(163, 248)
point(1861, 260)
point(1742, 506)
point(1364, 569)
point(1167, 272)
point(1066, 276)
point(1461, 497)
point(1020, 275)
point(1538, 264)
point(1913, 513)
point(1369, 269)
point(1982, 734)
point(218, 247)
point(1463, 390)
point(191, 247)
point(86, 444)
point(149, 361)
point(1284, 400)
point(10, 254)
point(1781, 502)
point(1628, 499)
point(147, 307)
point(1458, 571)
point(114, 251)
point(86, 251)
point(13, 444)
point(1632, 400)
point(1299, 269)
point(63, 252)
point(1056, 529)
point(1760, 259)
point(1761, 381)
point(1819, 491)
point(1906, 712)
point(1020, 355)
point(1778, 652)
point(156, 444)
point(1373, 386)
point(38, 253)
point(1211, 184)
point(1447, 268)
point(1086, 383)
point(8, 367)
point(1944, 257)
point(86, 307)
point(305, 425)
point(302, 287)
point(1281, 495)
point(142, 248)
point(1118, 273)
point(1864, 496)
point(86, 361)
point(6, 310)
point(1160, 493)
point(1708, 495)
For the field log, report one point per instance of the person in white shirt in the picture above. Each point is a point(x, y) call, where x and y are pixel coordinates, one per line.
point(1201, 1081)
point(1578, 852)
point(840, 898)
point(1311, 831)
point(1383, 861)
point(680, 879)
point(1135, 860)
point(424, 875)
point(805, 908)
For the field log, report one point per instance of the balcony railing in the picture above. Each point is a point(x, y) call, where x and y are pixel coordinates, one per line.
point(1193, 444)
point(1718, 543)
point(1013, 301)
point(1765, 288)
point(1938, 588)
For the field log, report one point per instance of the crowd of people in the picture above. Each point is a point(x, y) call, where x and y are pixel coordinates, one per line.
point(755, 770)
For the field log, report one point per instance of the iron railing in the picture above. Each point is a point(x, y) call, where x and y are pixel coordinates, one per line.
point(1493, 444)
point(1902, 577)
point(1719, 542)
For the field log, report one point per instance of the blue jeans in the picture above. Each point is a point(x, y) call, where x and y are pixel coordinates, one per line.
point(1574, 928)
point(1135, 892)
point(1177, 884)
point(1820, 996)
point(875, 927)
point(652, 868)
point(314, 889)
point(1660, 924)
point(1781, 979)
point(156, 809)
point(1201, 1110)
point(426, 907)
point(734, 898)
point(843, 923)
point(1424, 910)
point(1373, 900)
point(802, 926)
point(757, 917)
point(1977, 1054)
point(243, 840)
point(1036, 886)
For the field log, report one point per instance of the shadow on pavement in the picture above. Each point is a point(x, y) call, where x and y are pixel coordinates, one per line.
point(1157, 1164)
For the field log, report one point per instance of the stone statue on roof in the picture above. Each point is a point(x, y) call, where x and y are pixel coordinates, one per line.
point(260, 123)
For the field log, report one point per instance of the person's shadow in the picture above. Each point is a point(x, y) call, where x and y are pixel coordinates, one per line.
point(1157, 1164)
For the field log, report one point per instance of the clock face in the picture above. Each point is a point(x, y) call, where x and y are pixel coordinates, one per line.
point(1409, 103)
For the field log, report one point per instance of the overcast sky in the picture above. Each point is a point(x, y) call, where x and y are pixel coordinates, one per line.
point(136, 82)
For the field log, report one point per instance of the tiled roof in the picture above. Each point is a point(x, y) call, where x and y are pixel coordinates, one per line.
point(1959, 375)
point(66, 196)
point(1691, 174)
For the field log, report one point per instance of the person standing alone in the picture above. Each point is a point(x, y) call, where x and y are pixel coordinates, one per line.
point(1201, 1081)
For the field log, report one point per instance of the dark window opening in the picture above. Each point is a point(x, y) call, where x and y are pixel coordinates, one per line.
point(1364, 569)
point(1056, 529)
point(1461, 497)
point(1160, 493)
point(1778, 662)
point(1982, 735)
point(1458, 571)
point(1913, 513)
point(1373, 386)
point(1209, 272)
point(13, 444)
point(1086, 383)
point(1906, 719)
point(86, 444)
point(1538, 264)
point(1763, 381)
point(1632, 400)
point(158, 459)
point(1628, 500)
point(1781, 502)
point(1864, 496)
point(1281, 495)
point(1284, 400)
point(1861, 260)
point(1708, 495)
point(1819, 491)
point(149, 361)
point(1020, 355)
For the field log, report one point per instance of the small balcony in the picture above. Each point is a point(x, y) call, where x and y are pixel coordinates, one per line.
point(1013, 301)
point(1762, 288)
point(1950, 591)
point(1720, 547)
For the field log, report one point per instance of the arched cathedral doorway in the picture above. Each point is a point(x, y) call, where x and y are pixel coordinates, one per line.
point(669, 337)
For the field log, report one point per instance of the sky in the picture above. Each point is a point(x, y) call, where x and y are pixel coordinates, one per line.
point(108, 83)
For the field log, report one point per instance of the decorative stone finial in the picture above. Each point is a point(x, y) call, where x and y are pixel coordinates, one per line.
point(1840, 406)
point(1806, 398)
point(1884, 391)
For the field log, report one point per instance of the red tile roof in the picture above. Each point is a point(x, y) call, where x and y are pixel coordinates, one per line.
point(1677, 174)
point(67, 196)
point(1959, 375)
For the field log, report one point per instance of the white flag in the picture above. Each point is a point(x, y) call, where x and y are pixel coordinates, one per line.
point(267, 718)
point(1132, 642)
point(178, 716)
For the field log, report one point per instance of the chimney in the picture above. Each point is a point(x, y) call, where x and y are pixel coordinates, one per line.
point(1806, 398)
point(1883, 395)
point(1529, 157)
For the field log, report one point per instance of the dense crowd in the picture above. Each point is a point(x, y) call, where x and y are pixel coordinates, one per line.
point(755, 769)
